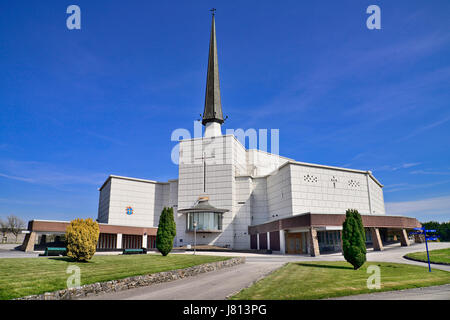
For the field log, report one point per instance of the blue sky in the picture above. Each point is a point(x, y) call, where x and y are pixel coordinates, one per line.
point(78, 105)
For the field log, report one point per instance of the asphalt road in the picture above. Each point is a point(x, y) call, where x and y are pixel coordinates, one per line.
point(9, 251)
point(222, 283)
point(427, 293)
point(217, 285)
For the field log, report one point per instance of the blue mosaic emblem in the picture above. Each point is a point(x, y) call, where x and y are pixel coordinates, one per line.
point(129, 211)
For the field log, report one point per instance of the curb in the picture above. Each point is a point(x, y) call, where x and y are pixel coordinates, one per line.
point(417, 260)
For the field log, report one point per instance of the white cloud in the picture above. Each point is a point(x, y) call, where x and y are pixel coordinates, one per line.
point(424, 128)
point(103, 137)
point(437, 208)
point(408, 186)
point(397, 167)
point(409, 165)
point(47, 174)
point(7, 176)
point(439, 173)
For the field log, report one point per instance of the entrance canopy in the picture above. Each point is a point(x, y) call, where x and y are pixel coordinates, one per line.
point(202, 205)
point(307, 220)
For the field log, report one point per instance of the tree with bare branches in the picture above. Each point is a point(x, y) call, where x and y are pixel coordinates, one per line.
point(16, 225)
point(4, 228)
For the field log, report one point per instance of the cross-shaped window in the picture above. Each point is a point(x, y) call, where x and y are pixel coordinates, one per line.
point(334, 180)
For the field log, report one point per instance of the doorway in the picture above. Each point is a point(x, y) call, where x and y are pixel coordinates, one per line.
point(295, 243)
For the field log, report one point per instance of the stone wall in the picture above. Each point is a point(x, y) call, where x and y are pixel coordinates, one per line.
point(133, 282)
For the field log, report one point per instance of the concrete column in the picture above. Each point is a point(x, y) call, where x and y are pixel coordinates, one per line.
point(144, 241)
point(314, 243)
point(268, 240)
point(376, 239)
point(404, 238)
point(119, 241)
point(257, 241)
point(282, 242)
point(28, 242)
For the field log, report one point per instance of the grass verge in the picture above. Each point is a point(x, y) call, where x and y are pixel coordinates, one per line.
point(319, 280)
point(436, 256)
point(26, 276)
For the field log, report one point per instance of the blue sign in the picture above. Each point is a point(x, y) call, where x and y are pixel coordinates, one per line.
point(431, 238)
point(129, 211)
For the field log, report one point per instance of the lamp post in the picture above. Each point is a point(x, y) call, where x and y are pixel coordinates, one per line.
point(195, 235)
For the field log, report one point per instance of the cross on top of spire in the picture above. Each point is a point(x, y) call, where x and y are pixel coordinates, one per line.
point(213, 11)
point(213, 106)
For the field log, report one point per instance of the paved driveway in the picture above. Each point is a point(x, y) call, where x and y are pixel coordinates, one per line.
point(427, 293)
point(217, 285)
point(9, 251)
point(222, 283)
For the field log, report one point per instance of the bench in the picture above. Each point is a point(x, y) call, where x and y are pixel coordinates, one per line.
point(51, 251)
point(135, 251)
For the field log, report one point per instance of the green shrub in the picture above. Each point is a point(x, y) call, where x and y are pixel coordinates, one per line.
point(354, 239)
point(81, 238)
point(166, 231)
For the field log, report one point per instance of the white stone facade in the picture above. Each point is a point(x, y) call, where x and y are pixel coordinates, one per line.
point(254, 186)
point(146, 198)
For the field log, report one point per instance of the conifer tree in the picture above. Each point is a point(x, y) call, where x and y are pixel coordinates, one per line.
point(354, 239)
point(166, 231)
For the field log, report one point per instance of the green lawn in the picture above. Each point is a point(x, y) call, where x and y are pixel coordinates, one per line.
point(318, 280)
point(440, 256)
point(26, 276)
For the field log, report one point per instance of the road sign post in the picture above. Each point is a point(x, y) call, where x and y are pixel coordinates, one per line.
point(428, 254)
point(424, 232)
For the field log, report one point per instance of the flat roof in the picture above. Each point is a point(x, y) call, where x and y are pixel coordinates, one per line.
point(331, 168)
point(60, 226)
point(289, 160)
point(133, 179)
point(100, 223)
point(316, 220)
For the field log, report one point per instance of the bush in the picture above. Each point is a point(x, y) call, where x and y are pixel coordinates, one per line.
point(82, 237)
point(166, 231)
point(354, 239)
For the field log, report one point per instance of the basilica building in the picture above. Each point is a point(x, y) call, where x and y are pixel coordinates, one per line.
point(238, 198)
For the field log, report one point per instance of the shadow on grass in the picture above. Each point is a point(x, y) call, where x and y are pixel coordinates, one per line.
point(312, 265)
point(67, 259)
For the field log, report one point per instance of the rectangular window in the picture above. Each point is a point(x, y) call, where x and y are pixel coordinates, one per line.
point(208, 221)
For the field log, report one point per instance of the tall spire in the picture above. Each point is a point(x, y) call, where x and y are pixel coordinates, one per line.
point(213, 106)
